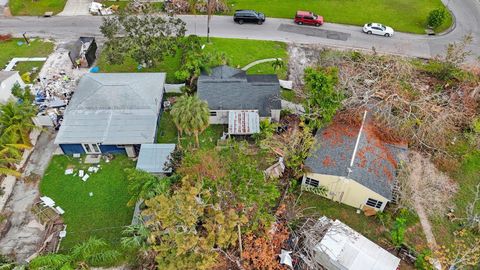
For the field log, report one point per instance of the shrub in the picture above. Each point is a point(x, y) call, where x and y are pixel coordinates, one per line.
point(436, 17)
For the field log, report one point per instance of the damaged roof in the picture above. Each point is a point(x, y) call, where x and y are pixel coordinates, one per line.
point(113, 108)
point(375, 161)
point(228, 88)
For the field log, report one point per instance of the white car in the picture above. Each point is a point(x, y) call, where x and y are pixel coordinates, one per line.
point(378, 29)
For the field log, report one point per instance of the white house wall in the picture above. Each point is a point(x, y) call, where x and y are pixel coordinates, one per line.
point(220, 118)
point(276, 115)
point(347, 191)
point(6, 87)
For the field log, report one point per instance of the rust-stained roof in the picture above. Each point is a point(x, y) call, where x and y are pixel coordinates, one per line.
point(243, 122)
point(375, 161)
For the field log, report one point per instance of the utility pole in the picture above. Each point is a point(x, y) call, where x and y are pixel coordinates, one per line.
point(209, 15)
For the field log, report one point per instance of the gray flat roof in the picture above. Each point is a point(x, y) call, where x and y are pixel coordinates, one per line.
point(113, 108)
point(153, 157)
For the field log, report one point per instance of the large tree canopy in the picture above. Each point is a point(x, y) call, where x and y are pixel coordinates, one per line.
point(147, 38)
point(187, 228)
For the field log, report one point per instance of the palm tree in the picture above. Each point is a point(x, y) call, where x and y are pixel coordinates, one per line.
point(9, 155)
point(136, 240)
point(16, 122)
point(93, 252)
point(190, 115)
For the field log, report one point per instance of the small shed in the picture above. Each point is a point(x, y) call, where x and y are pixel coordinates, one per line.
point(83, 52)
point(154, 157)
point(243, 122)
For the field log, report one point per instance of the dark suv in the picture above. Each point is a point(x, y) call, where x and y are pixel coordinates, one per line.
point(249, 16)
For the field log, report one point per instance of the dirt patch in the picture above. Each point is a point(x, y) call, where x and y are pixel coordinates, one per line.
point(25, 234)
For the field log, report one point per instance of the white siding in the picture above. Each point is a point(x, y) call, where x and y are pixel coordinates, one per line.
point(6, 87)
point(275, 115)
point(220, 118)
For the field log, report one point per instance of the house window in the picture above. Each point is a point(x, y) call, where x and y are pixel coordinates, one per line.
point(311, 182)
point(213, 113)
point(91, 148)
point(374, 203)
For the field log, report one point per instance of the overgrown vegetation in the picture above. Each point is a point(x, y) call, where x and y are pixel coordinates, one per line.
point(322, 98)
point(433, 106)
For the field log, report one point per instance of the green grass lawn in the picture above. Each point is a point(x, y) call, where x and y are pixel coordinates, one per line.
point(24, 67)
point(239, 51)
point(102, 215)
point(167, 133)
point(169, 65)
point(289, 95)
point(317, 206)
point(467, 177)
point(37, 48)
point(402, 15)
point(35, 7)
point(242, 52)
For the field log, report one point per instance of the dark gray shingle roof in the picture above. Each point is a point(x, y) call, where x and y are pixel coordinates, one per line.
point(227, 88)
point(375, 161)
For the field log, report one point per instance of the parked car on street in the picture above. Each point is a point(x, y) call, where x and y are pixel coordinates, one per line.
point(248, 16)
point(307, 17)
point(378, 29)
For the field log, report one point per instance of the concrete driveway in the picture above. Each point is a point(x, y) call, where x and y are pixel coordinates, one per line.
point(76, 8)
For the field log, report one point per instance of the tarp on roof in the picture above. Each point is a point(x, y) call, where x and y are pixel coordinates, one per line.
point(345, 248)
point(243, 122)
point(153, 157)
point(113, 108)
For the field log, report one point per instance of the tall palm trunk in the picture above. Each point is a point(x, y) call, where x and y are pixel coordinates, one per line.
point(197, 142)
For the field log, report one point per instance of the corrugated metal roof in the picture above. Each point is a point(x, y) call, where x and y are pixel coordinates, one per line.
point(153, 157)
point(243, 122)
point(354, 251)
point(113, 108)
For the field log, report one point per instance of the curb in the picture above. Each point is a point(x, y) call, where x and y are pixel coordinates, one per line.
point(452, 27)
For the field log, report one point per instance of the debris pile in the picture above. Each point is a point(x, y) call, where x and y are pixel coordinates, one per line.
point(54, 88)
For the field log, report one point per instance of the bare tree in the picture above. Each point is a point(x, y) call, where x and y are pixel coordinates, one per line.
point(307, 237)
point(472, 214)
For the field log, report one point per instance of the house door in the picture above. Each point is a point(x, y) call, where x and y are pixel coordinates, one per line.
point(91, 148)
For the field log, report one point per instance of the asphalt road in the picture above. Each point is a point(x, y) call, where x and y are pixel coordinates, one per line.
point(467, 13)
